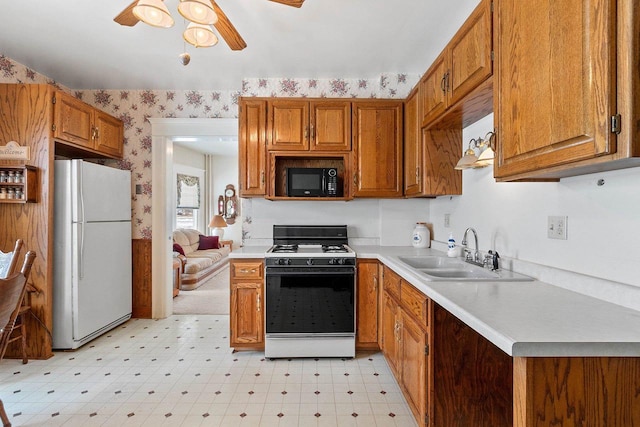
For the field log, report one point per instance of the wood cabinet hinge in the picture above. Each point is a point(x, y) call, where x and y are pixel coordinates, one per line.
point(426, 350)
point(426, 417)
point(616, 123)
point(493, 56)
point(53, 127)
point(53, 100)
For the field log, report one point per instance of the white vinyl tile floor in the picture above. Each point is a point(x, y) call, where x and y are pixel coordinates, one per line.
point(180, 371)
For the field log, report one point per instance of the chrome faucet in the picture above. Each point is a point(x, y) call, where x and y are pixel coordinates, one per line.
point(473, 258)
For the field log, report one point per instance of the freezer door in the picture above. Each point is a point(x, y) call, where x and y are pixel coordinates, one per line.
point(100, 193)
point(102, 275)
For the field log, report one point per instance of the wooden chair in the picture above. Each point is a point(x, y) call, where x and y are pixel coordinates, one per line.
point(9, 260)
point(12, 292)
point(17, 330)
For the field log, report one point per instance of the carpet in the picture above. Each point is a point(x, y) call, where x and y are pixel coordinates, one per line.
point(212, 297)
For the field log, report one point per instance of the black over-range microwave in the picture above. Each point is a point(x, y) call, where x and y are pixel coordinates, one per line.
point(313, 182)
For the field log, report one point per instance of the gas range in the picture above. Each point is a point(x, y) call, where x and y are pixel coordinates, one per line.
point(297, 245)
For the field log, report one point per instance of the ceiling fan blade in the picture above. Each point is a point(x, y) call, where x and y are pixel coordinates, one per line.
point(227, 30)
point(126, 17)
point(294, 3)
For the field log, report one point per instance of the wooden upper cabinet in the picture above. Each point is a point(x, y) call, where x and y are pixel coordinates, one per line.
point(330, 125)
point(109, 134)
point(433, 89)
point(80, 125)
point(252, 148)
point(288, 127)
point(462, 66)
point(556, 84)
point(412, 146)
point(301, 125)
point(377, 146)
point(73, 120)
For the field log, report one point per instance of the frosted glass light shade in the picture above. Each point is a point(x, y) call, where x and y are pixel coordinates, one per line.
point(485, 158)
point(198, 11)
point(200, 35)
point(467, 160)
point(154, 13)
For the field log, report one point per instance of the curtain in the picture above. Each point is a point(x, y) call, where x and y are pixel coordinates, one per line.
point(188, 192)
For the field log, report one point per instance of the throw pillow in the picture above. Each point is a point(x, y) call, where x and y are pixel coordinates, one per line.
point(178, 248)
point(209, 242)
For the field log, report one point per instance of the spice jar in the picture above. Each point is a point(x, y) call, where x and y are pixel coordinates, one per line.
point(12, 176)
point(19, 177)
point(3, 176)
point(3, 193)
point(19, 193)
point(11, 193)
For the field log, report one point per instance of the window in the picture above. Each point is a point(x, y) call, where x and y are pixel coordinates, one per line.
point(188, 201)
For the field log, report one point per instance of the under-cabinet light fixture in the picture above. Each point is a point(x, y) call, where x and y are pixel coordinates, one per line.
point(485, 148)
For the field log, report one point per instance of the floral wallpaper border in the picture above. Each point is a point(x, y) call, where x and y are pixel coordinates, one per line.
point(135, 107)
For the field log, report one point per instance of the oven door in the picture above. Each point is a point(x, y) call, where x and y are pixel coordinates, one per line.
point(308, 301)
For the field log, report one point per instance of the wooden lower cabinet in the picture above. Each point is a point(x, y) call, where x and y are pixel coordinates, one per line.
point(247, 304)
point(142, 279)
point(406, 347)
point(367, 305)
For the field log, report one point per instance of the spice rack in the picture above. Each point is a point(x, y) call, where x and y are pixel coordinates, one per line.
point(18, 184)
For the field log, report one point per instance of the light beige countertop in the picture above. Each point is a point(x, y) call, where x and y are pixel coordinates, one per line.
point(521, 318)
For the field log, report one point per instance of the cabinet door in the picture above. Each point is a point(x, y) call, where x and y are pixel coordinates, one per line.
point(246, 314)
point(367, 307)
point(441, 154)
point(433, 89)
point(330, 125)
point(73, 121)
point(470, 54)
point(390, 330)
point(378, 149)
point(109, 134)
point(288, 125)
point(555, 84)
point(412, 147)
point(413, 342)
point(252, 149)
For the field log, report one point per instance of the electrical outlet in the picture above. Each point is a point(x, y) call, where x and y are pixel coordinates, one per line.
point(447, 220)
point(557, 227)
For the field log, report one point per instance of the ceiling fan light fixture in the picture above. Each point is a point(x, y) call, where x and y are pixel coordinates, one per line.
point(154, 13)
point(198, 11)
point(200, 35)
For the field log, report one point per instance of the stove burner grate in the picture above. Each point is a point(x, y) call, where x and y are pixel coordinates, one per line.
point(285, 248)
point(333, 248)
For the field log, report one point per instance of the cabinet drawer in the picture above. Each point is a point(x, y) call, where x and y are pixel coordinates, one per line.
point(414, 302)
point(247, 270)
point(391, 282)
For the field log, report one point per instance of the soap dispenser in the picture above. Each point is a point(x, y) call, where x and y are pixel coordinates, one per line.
point(452, 251)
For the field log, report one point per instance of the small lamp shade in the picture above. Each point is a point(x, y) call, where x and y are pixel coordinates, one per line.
point(198, 11)
point(467, 160)
point(200, 35)
point(218, 223)
point(154, 13)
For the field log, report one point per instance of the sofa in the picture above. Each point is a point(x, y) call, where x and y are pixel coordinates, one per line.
point(200, 259)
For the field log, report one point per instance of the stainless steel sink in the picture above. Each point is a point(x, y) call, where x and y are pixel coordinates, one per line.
point(437, 268)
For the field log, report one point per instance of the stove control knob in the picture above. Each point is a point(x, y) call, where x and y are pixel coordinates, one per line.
point(333, 261)
point(284, 261)
point(341, 261)
point(309, 261)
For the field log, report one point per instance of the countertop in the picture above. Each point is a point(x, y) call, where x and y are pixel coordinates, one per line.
point(523, 319)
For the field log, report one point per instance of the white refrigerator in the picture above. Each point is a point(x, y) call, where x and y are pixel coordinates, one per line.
point(92, 251)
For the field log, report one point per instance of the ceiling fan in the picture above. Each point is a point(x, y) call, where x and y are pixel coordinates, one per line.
point(224, 26)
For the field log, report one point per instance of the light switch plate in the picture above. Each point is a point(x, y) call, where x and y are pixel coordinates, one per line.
point(447, 220)
point(557, 227)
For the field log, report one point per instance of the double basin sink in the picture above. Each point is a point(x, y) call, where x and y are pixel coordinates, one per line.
point(437, 268)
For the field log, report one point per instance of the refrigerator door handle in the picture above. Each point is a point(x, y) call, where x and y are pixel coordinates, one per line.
point(81, 221)
point(81, 251)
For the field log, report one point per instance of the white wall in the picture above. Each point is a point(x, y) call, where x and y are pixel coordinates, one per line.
point(387, 222)
point(225, 171)
point(603, 225)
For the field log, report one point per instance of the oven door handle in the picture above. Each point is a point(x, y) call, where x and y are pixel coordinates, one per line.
point(311, 272)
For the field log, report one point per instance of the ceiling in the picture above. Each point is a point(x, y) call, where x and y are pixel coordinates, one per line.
point(77, 43)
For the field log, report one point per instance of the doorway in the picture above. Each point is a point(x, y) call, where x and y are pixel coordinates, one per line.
point(163, 131)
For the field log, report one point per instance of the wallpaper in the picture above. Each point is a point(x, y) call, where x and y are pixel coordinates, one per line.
point(135, 107)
